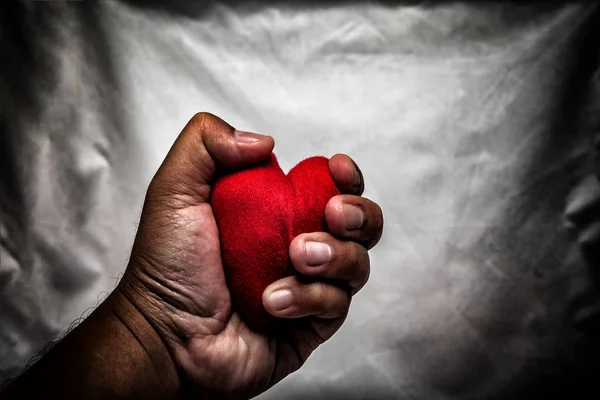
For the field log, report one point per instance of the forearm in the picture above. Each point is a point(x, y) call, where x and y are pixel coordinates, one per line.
point(113, 354)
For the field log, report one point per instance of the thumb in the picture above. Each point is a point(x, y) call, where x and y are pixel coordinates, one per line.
point(206, 146)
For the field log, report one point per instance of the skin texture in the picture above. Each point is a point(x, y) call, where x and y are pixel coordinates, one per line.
point(171, 319)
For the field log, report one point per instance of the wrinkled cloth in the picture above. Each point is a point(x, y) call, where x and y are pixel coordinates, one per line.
point(474, 124)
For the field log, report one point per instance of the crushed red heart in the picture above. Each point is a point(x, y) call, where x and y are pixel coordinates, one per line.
point(259, 210)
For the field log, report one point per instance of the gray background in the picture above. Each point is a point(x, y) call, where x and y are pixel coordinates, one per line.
point(474, 125)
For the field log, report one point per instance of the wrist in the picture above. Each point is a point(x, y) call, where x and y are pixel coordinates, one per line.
point(198, 373)
point(146, 336)
point(114, 353)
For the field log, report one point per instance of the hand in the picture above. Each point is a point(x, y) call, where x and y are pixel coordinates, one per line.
point(175, 276)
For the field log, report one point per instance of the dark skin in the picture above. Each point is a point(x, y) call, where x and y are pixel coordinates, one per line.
point(169, 328)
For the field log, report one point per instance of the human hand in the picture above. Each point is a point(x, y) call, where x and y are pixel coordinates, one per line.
point(175, 277)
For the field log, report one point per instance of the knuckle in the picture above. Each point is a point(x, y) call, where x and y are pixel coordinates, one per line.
point(347, 300)
point(378, 216)
point(361, 271)
point(366, 238)
point(330, 300)
point(321, 296)
point(355, 257)
point(202, 123)
point(365, 267)
point(342, 305)
point(361, 254)
point(200, 119)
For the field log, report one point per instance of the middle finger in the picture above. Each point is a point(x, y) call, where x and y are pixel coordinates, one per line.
point(319, 254)
point(355, 218)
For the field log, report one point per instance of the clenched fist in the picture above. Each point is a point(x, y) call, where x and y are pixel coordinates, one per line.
point(170, 327)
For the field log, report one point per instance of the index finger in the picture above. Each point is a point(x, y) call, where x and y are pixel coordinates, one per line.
point(347, 176)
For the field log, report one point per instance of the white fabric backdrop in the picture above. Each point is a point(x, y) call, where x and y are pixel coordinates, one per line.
point(473, 124)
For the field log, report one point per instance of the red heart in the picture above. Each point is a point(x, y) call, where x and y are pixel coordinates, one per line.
point(259, 211)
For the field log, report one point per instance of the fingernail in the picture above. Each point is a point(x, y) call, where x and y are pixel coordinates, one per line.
point(317, 253)
point(281, 299)
point(353, 216)
point(358, 179)
point(247, 137)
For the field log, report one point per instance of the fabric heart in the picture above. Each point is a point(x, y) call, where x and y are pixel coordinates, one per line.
point(258, 212)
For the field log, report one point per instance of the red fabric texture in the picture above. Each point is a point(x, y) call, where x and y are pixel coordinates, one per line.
point(259, 211)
